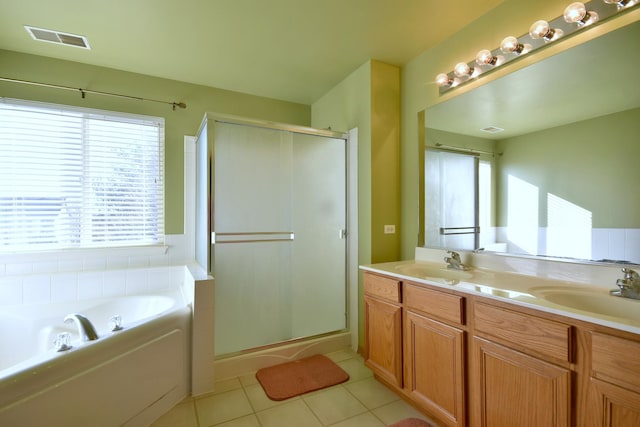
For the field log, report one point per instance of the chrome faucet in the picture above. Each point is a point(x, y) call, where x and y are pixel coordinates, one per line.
point(454, 261)
point(85, 328)
point(629, 286)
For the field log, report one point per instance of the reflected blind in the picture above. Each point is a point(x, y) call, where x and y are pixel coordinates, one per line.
point(79, 178)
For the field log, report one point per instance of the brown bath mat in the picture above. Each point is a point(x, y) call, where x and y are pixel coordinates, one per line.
point(411, 422)
point(300, 376)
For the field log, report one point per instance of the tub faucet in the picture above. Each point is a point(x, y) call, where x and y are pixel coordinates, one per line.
point(85, 328)
point(454, 261)
point(629, 286)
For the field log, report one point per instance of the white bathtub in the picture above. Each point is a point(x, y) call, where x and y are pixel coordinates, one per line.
point(129, 377)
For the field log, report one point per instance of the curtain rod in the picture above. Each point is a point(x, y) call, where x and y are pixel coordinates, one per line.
point(83, 92)
point(466, 150)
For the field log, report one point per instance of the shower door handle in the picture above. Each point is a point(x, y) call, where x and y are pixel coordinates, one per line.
point(252, 237)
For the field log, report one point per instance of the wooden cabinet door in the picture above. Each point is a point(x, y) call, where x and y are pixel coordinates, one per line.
point(434, 360)
point(510, 388)
point(619, 407)
point(383, 339)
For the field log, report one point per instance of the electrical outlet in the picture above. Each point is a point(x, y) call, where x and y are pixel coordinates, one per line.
point(389, 229)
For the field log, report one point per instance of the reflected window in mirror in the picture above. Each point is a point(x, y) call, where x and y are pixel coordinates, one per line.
point(458, 200)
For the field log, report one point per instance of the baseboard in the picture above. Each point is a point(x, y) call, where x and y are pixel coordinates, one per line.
point(245, 363)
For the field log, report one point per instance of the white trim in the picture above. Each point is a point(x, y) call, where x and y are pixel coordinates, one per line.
point(352, 228)
point(190, 197)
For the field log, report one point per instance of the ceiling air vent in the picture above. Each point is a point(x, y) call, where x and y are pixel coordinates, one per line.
point(492, 129)
point(58, 37)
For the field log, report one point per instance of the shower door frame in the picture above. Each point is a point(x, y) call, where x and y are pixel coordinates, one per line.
point(350, 234)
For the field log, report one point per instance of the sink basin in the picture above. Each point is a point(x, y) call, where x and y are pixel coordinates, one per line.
point(433, 272)
point(599, 302)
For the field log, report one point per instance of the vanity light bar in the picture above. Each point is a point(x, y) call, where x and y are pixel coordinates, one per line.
point(575, 17)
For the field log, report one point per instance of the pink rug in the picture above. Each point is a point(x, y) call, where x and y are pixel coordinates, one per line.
point(411, 422)
point(300, 376)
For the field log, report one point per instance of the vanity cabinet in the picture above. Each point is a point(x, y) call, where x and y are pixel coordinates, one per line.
point(615, 374)
point(435, 352)
point(383, 328)
point(520, 369)
point(469, 360)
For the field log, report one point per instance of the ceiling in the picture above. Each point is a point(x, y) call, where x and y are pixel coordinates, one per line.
point(292, 50)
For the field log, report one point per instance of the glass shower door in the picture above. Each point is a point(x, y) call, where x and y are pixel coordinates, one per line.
point(278, 259)
point(451, 200)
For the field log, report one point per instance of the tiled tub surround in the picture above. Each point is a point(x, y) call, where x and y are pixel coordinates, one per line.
point(93, 273)
point(519, 280)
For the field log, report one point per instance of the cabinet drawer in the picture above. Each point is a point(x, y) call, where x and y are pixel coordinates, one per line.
point(615, 360)
point(382, 287)
point(543, 336)
point(439, 304)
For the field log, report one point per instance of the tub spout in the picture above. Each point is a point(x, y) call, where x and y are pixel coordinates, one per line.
point(85, 327)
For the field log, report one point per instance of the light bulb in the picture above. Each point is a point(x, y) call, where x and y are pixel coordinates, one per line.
point(512, 45)
point(576, 13)
point(462, 69)
point(621, 3)
point(485, 57)
point(541, 30)
point(443, 80)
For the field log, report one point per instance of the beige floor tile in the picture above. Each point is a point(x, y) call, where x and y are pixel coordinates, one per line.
point(222, 407)
point(356, 369)
point(334, 405)
point(259, 400)
point(181, 415)
point(396, 411)
point(290, 414)
point(363, 420)
point(247, 421)
point(248, 379)
point(227, 385)
point(340, 355)
point(371, 393)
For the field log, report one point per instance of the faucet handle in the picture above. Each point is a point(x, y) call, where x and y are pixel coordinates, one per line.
point(455, 255)
point(630, 274)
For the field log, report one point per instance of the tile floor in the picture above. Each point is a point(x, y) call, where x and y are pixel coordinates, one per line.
point(240, 402)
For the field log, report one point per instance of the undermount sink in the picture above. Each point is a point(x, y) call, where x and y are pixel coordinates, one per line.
point(433, 272)
point(599, 302)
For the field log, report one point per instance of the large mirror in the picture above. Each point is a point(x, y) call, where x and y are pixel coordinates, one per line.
point(562, 177)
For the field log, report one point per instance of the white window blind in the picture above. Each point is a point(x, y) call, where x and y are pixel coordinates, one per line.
point(79, 178)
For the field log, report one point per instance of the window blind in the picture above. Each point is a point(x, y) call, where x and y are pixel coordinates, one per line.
point(79, 178)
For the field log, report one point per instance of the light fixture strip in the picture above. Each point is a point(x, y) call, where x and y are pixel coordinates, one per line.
point(602, 9)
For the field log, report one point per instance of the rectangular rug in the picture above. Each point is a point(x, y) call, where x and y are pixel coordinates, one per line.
point(294, 378)
point(411, 422)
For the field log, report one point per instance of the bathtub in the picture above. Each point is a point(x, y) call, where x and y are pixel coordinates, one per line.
point(128, 377)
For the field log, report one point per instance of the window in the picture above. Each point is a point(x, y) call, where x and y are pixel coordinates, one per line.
point(79, 178)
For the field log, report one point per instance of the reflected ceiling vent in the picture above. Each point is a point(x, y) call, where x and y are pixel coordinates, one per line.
point(492, 129)
point(58, 37)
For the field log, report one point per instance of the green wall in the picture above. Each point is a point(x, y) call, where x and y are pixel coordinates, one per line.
point(199, 99)
point(580, 163)
point(345, 107)
point(369, 99)
point(420, 92)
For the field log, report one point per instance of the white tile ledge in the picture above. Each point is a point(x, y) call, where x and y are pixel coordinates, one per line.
point(152, 250)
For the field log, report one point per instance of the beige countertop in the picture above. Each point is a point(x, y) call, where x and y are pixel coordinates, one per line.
point(587, 302)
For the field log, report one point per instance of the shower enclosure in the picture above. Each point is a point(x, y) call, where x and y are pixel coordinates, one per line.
point(451, 200)
point(271, 228)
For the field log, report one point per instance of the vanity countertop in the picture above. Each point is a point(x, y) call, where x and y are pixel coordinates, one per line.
point(576, 300)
